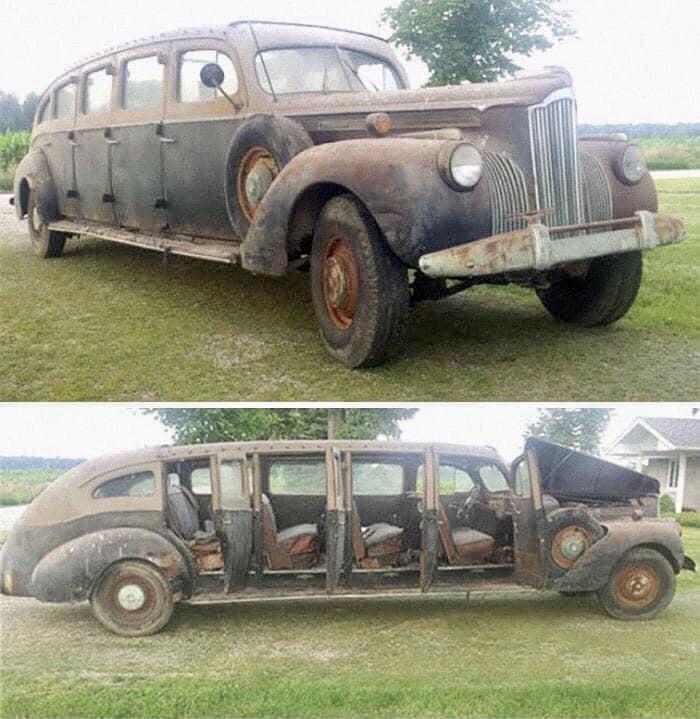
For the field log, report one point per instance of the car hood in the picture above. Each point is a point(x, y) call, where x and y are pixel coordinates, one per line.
point(566, 473)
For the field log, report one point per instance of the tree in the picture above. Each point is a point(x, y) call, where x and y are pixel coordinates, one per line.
point(10, 112)
point(29, 105)
point(580, 429)
point(475, 40)
point(193, 425)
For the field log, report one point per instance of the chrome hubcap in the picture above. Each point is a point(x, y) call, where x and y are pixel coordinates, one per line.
point(131, 597)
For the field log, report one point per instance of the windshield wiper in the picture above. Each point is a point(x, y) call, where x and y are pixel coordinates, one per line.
point(357, 75)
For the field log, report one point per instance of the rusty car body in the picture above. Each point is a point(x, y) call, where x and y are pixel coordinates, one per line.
point(137, 532)
point(275, 146)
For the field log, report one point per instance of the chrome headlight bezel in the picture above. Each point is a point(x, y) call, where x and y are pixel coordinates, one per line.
point(461, 165)
point(631, 165)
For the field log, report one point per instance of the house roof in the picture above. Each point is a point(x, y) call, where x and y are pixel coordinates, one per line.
point(681, 432)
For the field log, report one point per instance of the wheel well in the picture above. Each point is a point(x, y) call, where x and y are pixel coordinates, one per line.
point(121, 560)
point(305, 213)
point(662, 550)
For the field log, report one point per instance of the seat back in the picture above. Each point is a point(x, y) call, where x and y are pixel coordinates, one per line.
point(182, 514)
point(358, 544)
point(276, 557)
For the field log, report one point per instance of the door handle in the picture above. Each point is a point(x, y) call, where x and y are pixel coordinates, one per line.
point(112, 142)
point(167, 140)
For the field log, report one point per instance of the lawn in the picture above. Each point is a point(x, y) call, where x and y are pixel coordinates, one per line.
point(108, 322)
point(523, 654)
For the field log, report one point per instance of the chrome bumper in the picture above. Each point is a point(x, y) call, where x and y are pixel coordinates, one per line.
point(534, 249)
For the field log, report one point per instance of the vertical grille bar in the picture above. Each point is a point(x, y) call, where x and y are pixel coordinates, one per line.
point(508, 193)
point(553, 144)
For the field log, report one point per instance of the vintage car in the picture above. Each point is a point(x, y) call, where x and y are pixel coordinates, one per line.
point(136, 532)
point(275, 146)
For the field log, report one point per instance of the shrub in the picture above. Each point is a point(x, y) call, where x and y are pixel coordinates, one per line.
point(13, 147)
point(667, 504)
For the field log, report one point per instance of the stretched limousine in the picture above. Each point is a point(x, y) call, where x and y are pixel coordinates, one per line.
point(275, 146)
point(135, 533)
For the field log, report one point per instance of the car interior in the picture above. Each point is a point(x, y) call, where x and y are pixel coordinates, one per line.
point(475, 511)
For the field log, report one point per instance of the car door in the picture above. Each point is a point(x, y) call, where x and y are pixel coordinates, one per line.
point(137, 135)
point(233, 518)
point(529, 520)
point(335, 520)
point(94, 144)
point(198, 127)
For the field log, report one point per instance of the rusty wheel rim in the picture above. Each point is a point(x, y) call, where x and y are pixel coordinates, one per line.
point(122, 594)
point(340, 283)
point(637, 586)
point(569, 534)
point(256, 173)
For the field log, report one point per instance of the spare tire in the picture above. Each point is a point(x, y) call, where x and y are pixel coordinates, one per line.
point(259, 149)
point(570, 532)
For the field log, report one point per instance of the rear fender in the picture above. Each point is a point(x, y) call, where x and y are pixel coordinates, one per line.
point(594, 568)
point(69, 572)
point(33, 173)
point(396, 179)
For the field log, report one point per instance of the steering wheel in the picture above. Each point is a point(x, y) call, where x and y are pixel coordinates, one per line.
point(464, 511)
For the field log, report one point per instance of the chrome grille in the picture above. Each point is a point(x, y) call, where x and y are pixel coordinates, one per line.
point(555, 159)
point(508, 193)
point(597, 196)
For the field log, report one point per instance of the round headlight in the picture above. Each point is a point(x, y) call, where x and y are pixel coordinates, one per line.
point(461, 166)
point(631, 166)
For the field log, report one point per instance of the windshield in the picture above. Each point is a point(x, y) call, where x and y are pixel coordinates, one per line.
point(324, 70)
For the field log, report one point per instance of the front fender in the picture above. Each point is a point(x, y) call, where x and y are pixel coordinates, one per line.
point(398, 181)
point(594, 568)
point(33, 173)
point(68, 573)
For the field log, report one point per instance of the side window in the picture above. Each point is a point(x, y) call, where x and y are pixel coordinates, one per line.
point(42, 115)
point(65, 101)
point(143, 83)
point(451, 479)
point(231, 479)
point(290, 477)
point(139, 484)
point(98, 92)
point(190, 87)
point(201, 480)
point(493, 479)
point(522, 487)
point(380, 478)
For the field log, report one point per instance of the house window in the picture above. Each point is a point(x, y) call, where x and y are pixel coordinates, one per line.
point(673, 474)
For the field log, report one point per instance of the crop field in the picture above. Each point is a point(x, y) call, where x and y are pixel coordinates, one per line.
point(525, 654)
point(672, 153)
point(19, 486)
point(108, 322)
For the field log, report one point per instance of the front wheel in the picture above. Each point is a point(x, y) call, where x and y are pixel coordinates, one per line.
point(45, 243)
point(132, 599)
point(600, 294)
point(360, 288)
point(641, 586)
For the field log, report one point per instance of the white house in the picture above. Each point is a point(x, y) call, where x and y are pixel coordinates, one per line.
point(668, 449)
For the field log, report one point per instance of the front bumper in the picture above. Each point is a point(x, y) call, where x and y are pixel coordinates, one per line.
point(534, 249)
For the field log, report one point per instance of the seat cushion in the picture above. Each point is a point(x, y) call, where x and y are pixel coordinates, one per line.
point(379, 533)
point(472, 544)
point(296, 531)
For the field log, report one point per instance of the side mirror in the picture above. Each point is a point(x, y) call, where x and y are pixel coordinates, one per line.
point(212, 75)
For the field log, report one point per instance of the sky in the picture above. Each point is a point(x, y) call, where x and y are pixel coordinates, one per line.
point(89, 430)
point(633, 60)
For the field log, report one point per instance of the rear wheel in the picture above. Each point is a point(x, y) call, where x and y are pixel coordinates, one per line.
point(360, 288)
point(132, 599)
point(45, 243)
point(599, 295)
point(641, 586)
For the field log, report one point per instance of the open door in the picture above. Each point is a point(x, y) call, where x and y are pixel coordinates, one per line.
point(335, 521)
point(430, 523)
point(529, 520)
point(234, 518)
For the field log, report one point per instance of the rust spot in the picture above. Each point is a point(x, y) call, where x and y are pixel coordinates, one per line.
point(378, 124)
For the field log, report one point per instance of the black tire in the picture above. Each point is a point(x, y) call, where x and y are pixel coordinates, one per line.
point(140, 585)
point(45, 243)
point(364, 322)
point(276, 140)
point(600, 297)
point(566, 522)
point(623, 599)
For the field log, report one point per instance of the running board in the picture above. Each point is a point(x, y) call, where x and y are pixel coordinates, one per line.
point(197, 247)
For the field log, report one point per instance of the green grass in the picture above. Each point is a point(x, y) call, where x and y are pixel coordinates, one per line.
point(526, 654)
point(20, 486)
point(686, 519)
point(107, 322)
point(672, 153)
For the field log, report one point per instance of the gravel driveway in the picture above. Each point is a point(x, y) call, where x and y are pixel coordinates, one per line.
point(9, 515)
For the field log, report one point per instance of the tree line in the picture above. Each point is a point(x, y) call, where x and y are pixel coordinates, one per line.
point(16, 115)
point(23, 462)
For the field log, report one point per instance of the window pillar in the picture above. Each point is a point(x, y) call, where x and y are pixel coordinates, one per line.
point(682, 463)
